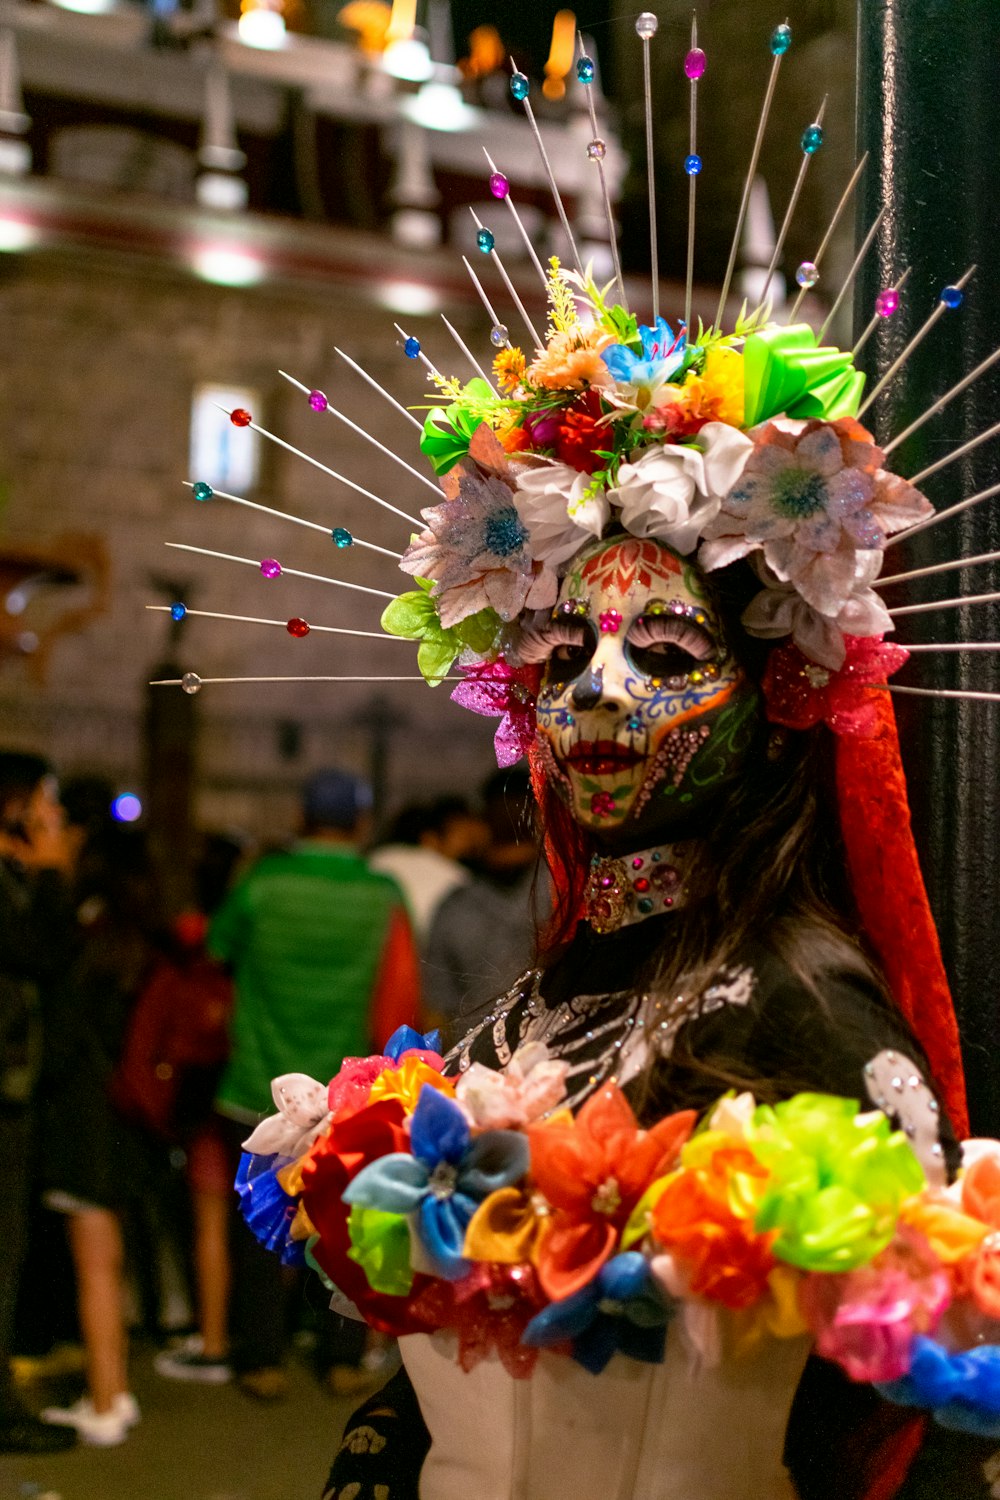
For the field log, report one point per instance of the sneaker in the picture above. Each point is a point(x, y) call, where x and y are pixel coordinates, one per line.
point(270, 1383)
point(187, 1361)
point(24, 1433)
point(105, 1429)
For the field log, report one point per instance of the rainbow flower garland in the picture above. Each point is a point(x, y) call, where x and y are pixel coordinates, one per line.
point(480, 1205)
point(724, 446)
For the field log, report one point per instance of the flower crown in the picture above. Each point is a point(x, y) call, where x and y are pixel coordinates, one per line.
point(723, 446)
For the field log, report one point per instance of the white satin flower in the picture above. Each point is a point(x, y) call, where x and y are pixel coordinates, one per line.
point(552, 503)
point(303, 1114)
point(532, 1083)
point(732, 1115)
point(674, 490)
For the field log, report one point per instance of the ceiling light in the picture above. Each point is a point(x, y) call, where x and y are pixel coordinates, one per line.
point(228, 267)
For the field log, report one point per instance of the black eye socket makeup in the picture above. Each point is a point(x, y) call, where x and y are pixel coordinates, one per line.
point(668, 644)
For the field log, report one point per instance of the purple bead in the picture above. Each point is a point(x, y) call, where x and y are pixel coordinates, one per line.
point(318, 401)
point(499, 186)
point(887, 302)
point(694, 63)
point(271, 567)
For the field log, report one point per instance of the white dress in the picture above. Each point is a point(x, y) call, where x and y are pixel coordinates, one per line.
point(634, 1432)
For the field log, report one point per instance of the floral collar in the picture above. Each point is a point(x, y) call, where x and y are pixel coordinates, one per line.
point(629, 888)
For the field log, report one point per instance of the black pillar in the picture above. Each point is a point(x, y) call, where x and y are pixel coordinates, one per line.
point(929, 115)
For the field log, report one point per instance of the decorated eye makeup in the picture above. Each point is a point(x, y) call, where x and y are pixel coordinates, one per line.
point(668, 644)
point(565, 644)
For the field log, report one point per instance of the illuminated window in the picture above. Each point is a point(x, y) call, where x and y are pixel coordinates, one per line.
point(224, 456)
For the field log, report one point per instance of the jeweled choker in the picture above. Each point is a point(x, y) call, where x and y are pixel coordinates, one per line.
point(628, 888)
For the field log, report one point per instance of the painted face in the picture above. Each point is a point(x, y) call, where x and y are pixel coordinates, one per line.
point(643, 713)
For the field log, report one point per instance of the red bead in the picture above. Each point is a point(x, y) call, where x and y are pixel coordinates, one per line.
point(297, 627)
point(240, 417)
point(641, 885)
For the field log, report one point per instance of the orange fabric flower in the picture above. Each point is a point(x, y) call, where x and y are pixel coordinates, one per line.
point(981, 1190)
point(721, 1255)
point(592, 1172)
point(405, 1082)
point(951, 1234)
point(572, 361)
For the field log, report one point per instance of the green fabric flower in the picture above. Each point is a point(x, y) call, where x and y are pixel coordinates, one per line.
point(785, 373)
point(448, 430)
point(838, 1180)
point(380, 1244)
point(414, 615)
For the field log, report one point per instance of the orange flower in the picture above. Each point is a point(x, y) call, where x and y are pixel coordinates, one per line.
point(721, 1255)
point(405, 1082)
point(572, 361)
point(592, 1171)
point(509, 367)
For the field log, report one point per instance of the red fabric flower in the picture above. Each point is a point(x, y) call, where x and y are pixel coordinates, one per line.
point(336, 1158)
point(580, 436)
point(799, 693)
point(593, 1170)
point(496, 688)
point(489, 1309)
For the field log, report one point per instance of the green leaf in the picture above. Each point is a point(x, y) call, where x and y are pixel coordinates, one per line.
point(410, 615)
point(436, 654)
point(479, 631)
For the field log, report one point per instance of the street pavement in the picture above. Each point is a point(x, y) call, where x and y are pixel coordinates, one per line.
point(195, 1442)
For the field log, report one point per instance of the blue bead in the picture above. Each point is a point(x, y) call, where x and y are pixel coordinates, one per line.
point(412, 347)
point(781, 40)
point(485, 240)
point(342, 536)
point(812, 139)
point(202, 491)
point(585, 69)
point(519, 85)
point(178, 611)
point(692, 165)
point(952, 296)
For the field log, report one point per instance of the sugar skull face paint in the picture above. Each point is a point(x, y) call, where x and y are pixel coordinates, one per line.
point(643, 711)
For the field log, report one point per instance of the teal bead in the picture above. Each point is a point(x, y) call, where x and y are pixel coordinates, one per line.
point(519, 85)
point(202, 491)
point(485, 240)
point(585, 69)
point(645, 905)
point(342, 536)
point(781, 40)
point(812, 139)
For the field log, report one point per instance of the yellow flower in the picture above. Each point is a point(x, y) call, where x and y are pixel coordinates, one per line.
point(405, 1082)
point(509, 367)
point(717, 393)
point(572, 361)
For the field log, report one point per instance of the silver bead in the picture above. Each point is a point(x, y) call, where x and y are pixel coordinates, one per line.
point(647, 25)
point(597, 149)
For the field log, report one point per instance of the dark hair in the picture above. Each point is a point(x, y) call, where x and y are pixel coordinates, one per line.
point(418, 818)
point(772, 866)
point(20, 774)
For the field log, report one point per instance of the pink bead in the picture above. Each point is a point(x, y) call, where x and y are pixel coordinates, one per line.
point(318, 401)
point(637, 863)
point(271, 567)
point(610, 621)
point(694, 63)
point(499, 186)
point(887, 302)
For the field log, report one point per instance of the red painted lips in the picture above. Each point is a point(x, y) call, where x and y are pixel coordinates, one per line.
point(601, 757)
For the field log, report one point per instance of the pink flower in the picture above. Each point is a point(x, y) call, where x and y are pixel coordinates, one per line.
point(496, 688)
point(799, 693)
point(812, 496)
point(531, 1084)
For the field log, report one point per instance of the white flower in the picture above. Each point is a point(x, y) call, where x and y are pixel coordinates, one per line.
point(532, 1083)
point(779, 610)
point(552, 502)
point(733, 1114)
point(673, 490)
point(303, 1116)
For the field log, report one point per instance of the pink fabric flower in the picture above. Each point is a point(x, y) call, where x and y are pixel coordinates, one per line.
point(532, 1083)
point(799, 693)
point(812, 496)
point(866, 1321)
point(495, 688)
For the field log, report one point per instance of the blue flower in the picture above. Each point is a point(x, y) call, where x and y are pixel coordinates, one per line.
point(962, 1390)
point(266, 1207)
point(443, 1182)
point(623, 1309)
point(662, 356)
point(405, 1039)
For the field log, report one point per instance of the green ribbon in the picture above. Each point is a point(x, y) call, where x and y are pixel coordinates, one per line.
point(786, 374)
point(837, 1181)
point(448, 430)
point(380, 1244)
point(414, 616)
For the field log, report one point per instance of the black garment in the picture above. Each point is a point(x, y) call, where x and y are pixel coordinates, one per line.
point(383, 1447)
point(757, 1023)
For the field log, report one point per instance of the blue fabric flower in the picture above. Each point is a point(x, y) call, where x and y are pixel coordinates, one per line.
point(405, 1039)
point(662, 355)
point(962, 1390)
point(446, 1178)
point(624, 1310)
point(266, 1206)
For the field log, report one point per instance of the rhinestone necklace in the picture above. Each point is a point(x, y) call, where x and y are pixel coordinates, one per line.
point(628, 888)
